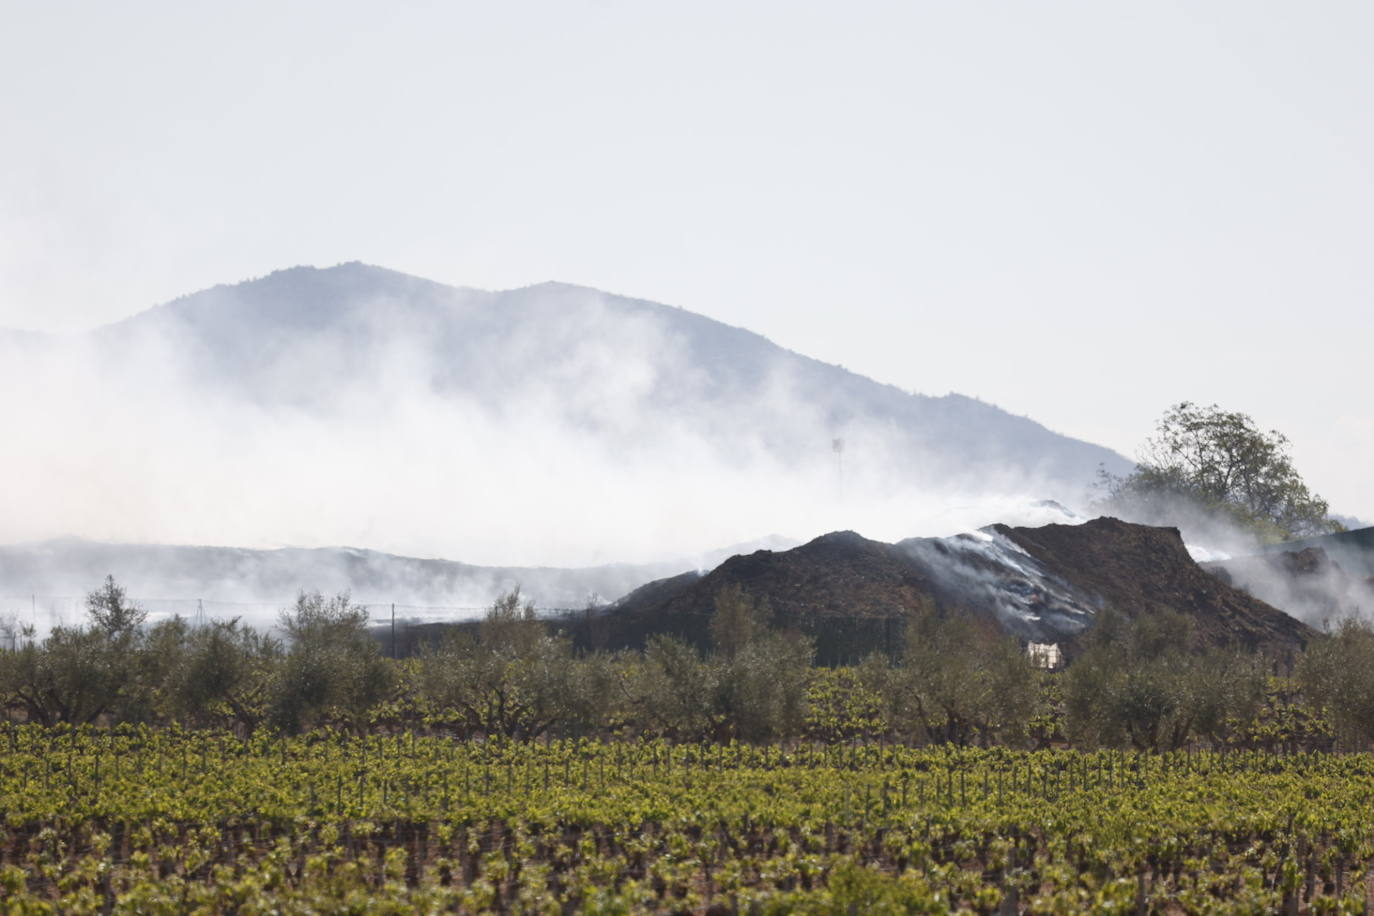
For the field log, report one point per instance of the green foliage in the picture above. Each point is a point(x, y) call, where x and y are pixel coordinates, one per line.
point(961, 681)
point(510, 626)
point(1336, 674)
point(845, 704)
point(111, 611)
point(222, 674)
point(141, 819)
point(756, 693)
point(515, 679)
point(81, 674)
point(73, 676)
point(1204, 461)
point(1143, 684)
point(738, 619)
point(1285, 721)
point(332, 671)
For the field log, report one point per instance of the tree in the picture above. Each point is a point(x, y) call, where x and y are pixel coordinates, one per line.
point(1209, 461)
point(511, 625)
point(1149, 684)
point(223, 674)
point(751, 686)
point(961, 681)
point(516, 678)
point(75, 675)
point(738, 620)
point(1337, 676)
point(79, 674)
point(333, 668)
point(111, 610)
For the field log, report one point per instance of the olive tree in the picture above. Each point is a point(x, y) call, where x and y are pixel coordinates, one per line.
point(79, 674)
point(751, 687)
point(1147, 684)
point(1336, 675)
point(960, 681)
point(333, 670)
point(514, 678)
point(224, 673)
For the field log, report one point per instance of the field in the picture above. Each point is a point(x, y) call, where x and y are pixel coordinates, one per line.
point(155, 820)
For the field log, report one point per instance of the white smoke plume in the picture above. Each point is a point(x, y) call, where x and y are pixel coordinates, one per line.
point(554, 426)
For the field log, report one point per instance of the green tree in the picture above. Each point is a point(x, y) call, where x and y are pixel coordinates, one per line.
point(1336, 675)
point(752, 686)
point(111, 610)
point(75, 675)
point(515, 678)
point(1208, 461)
point(333, 670)
point(80, 674)
point(738, 619)
point(961, 681)
point(1147, 684)
point(223, 674)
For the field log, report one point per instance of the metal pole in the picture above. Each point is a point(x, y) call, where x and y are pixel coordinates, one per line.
point(393, 629)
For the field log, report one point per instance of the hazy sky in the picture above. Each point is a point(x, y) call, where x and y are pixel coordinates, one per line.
point(1080, 211)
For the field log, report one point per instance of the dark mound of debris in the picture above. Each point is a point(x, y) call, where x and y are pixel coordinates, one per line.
point(1139, 569)
point(847, 591)
point(854, 595)
point(1353, 550)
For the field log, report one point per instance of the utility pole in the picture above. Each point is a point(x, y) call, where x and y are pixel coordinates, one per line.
point(393, 629)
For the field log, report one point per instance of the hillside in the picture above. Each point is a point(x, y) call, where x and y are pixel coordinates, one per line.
point(617, 367)
point(255, 584)
point(1041, 584)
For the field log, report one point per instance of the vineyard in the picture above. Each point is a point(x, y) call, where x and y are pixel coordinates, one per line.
point(151, 820)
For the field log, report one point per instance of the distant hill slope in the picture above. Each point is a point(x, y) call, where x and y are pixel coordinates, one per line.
point(1041, 584)
point(257, 583)
point(621, 368)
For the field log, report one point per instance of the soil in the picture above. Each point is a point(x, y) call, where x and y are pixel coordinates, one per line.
point(853, 594)
point(1140, 569)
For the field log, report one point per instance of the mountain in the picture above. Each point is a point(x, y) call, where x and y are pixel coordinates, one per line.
point(620, 367)
point(1044, 584)
point(550, 425)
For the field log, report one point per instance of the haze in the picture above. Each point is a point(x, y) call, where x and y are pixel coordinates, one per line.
point(1081, 212)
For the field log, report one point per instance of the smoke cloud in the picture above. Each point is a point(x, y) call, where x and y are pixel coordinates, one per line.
point(554, 426)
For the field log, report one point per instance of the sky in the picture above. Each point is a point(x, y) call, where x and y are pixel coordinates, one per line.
point(1082, 212)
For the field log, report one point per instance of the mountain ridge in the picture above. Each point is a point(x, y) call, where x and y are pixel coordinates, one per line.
point(734, 360)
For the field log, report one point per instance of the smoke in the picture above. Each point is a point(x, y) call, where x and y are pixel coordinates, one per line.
point(547, 427)
point(1307, 583)
point(1316, 585)
point(989, 570)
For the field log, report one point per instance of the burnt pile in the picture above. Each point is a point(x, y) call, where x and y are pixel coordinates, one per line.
point(1139, 569)
point(854, 595)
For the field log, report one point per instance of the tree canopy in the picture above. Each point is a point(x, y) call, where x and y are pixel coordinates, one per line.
point(1218, 462)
